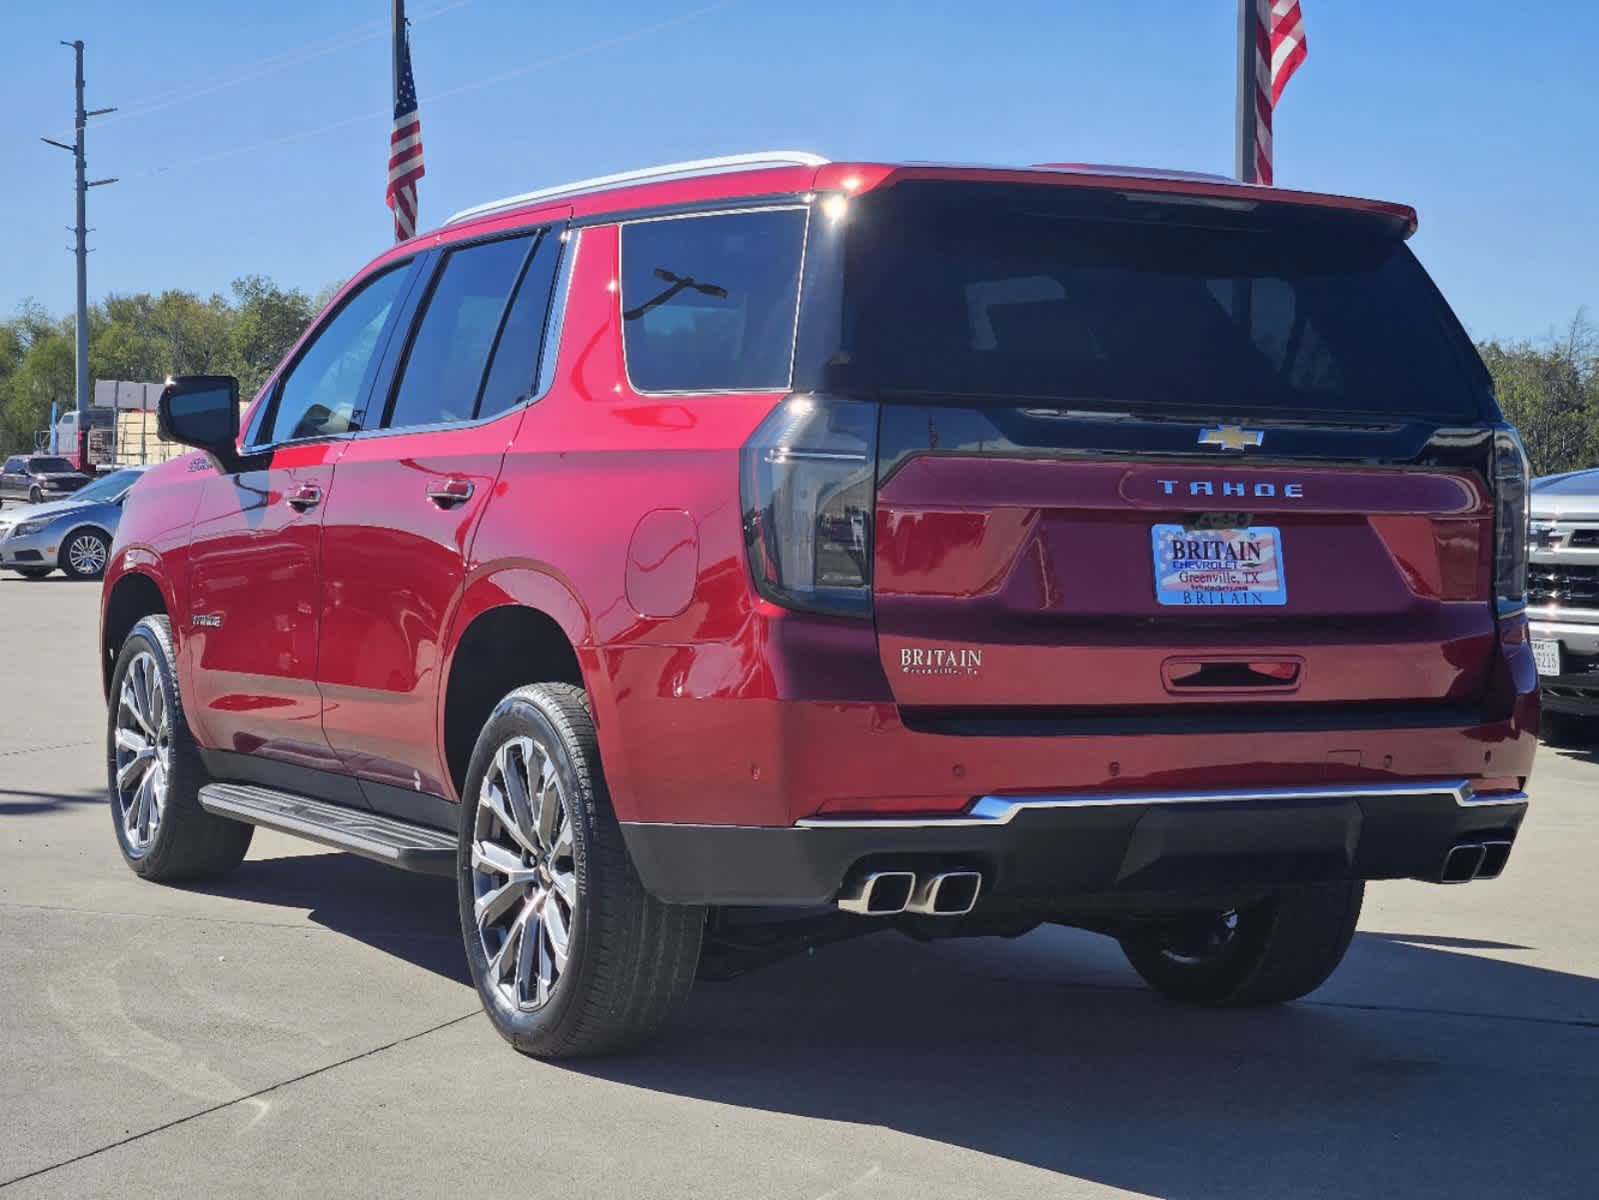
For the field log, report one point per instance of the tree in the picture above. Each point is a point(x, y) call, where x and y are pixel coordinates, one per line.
point(145, 337)
point(1550, 392)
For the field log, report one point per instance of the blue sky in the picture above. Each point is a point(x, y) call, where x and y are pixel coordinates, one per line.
point(1472, 110)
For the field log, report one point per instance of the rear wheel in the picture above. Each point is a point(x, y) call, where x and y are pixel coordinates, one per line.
point(84, 554)
point(569, 953)
point(1281, 949)
point(154, 771)
point(35, 495)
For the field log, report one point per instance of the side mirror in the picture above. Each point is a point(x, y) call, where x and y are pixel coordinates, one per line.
point(202, 411)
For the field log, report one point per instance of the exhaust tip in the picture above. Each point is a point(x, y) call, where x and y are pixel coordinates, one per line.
point(949, 894)
point(1462, 863)
point(1494, 857)
point(879, 894)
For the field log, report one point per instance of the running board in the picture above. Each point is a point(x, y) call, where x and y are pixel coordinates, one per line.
point(369, 834)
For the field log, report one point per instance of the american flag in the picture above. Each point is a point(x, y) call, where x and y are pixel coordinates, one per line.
point(405, 151)
point(1279, 49)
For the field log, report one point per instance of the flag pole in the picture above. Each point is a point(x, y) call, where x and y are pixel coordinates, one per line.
point(1244, 126)
point(399, 42)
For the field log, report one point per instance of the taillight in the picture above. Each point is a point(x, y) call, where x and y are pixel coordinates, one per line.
point(808, 480)
point(1511, 472)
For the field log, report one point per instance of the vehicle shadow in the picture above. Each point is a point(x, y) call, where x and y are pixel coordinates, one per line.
point(1424, 1068)
point(20, 803)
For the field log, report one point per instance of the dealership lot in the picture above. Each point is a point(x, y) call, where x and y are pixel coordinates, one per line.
point(306, 1027)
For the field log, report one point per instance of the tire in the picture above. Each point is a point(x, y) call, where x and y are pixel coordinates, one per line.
point(35, 495)
point(162, 831)
point(1275, 951)
point(33, 572)
point(85, 553)
point(629, 959)
point(1572, 730)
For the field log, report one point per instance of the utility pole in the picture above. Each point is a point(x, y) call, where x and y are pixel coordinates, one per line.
point(82, 251)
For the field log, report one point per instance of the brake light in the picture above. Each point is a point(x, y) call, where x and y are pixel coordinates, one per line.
point(808, 482)
point(1512, 515)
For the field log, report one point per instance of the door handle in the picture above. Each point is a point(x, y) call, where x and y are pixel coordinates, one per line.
point(305, 497)
point(447, 493)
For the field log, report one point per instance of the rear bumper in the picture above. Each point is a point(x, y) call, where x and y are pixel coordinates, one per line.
point(1089, 849)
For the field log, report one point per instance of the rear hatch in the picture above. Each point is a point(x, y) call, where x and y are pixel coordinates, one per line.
point(1139, 451)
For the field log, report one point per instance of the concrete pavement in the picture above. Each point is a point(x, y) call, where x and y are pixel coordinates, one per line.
point(306, 1027)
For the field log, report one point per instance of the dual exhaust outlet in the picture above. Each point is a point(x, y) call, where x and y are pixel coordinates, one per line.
point(1474, 860)
point(889, 893)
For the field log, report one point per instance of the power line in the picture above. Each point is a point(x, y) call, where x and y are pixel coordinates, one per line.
point(432, 98)
point(249, 72)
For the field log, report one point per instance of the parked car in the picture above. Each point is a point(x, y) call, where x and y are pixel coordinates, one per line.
point(702, 564)
point(1563, 592)
point(38, 477)
point(73, 534)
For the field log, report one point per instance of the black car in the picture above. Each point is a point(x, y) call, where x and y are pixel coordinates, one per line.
point(38, 477)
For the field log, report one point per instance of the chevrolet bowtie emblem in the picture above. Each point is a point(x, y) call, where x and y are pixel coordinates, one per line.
point(1231, 437)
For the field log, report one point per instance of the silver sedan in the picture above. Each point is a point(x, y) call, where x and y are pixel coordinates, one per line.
point(73, 534)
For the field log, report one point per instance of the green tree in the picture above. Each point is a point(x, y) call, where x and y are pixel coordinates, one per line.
point(1550, 392)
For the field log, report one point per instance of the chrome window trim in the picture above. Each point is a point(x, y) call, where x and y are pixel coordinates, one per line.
point(802, 205)
point(990, 811)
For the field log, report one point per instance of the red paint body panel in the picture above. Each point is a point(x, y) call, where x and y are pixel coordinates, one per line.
point(255, 568)
point(618, 514)
point(394, 567)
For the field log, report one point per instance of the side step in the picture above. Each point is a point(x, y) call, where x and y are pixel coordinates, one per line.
point(372, 835)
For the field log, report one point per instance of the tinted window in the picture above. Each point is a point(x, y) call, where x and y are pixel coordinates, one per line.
point(13, 466)
point(1019, 293)
point(443, 369)
point(708, 302)
point(107, 487)
point(515, 369)
point(322, 391)
point(49, 464)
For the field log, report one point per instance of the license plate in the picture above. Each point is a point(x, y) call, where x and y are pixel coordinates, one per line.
point(1546, 654)
point(1200, 568)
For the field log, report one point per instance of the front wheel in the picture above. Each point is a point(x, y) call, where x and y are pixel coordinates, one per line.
point(154, 772)
point(35, 495)
point(1278, 950)
point(571, 956)
point(85, 554)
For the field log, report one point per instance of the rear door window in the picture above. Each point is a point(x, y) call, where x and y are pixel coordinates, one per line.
point(514, 373)
point(444, 368)
point(708, 302)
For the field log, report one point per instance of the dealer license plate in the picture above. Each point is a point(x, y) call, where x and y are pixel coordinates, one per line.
point(1213, 567)
point(1546, 654)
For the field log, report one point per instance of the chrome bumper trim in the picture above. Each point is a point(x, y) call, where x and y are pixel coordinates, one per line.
point(999, 810)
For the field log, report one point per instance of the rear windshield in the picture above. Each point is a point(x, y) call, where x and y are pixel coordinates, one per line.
point(1040, 294)
point(48, 464)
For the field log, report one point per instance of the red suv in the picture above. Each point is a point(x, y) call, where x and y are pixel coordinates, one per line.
point(705, 563)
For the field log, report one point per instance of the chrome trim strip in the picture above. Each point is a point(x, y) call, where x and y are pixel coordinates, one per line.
point(1000, 810)
point(680, 170)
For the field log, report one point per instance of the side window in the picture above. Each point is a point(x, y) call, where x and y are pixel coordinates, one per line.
point(444, 366)
point(321, 392)
point(13, 467)
point(708, 303)
point(513, 375)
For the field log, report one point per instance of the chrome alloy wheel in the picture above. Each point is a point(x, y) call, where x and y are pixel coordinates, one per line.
point(143, 752)
point(524, 875)
point(86, 554)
